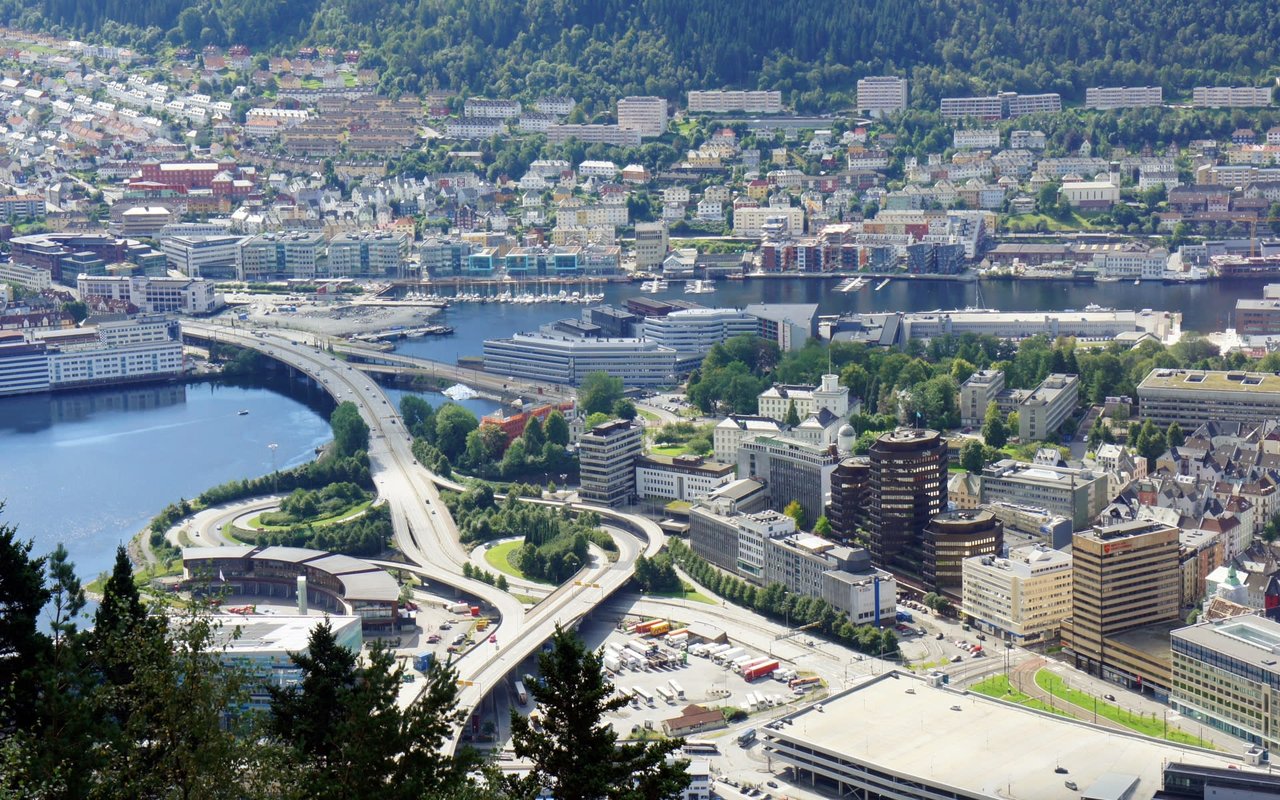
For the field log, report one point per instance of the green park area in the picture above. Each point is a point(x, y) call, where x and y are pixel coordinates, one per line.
point(1153, 725)
point(337, 502)
point(505, 557)
point(998, 686)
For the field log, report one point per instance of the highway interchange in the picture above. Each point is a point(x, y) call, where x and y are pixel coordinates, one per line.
point(426, 533)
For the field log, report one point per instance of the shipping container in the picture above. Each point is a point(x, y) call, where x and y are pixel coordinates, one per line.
point(644, 627)
point(612, 663)
point(759, 670)
point(422, 661)
point(658, 629)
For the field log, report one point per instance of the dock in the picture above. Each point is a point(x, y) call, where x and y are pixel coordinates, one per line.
point(396, 334)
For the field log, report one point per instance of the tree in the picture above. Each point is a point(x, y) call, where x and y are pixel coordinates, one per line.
point(345, 730)
point(453, 423)
point(557, 428)
point(598, 392)
point(577, 755)
point(598, 418)
point(823, 526)
point(973, 456)
point(993, 427)
point(1173, 436)
point(419, 417)
point(797, 513)
point(625, 409)
point(534, 436)
point(22, 595)
point(792, 417)
point(350, 433)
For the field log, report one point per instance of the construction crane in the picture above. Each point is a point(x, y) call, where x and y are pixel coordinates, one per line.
point(1253, 233)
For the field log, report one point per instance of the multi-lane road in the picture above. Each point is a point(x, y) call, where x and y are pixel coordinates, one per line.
point(424, 530)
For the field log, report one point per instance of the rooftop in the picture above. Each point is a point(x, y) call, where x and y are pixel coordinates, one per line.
point(1252, 639)
point(274, 634)
point(1211, 380)
point(898, 723)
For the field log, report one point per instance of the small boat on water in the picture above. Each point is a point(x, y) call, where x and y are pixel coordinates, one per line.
point(1137, 281)
point(653, 286)
point(699, 287)
point(460, 391)
point(882, 284)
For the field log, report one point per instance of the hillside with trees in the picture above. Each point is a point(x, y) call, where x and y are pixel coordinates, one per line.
point(814, 52)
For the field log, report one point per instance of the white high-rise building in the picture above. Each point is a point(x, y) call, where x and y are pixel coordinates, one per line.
point(1025, 596)
point(878, 94)
point(645, 115)
point(1231, 96)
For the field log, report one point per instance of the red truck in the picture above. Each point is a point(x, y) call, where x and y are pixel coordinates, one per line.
point(759, 671)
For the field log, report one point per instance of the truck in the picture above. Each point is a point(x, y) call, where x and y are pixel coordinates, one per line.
point(904, 616)
point(475, 611)
point(612, 663)
point(521, 694)
point(737, 664)
point(678, 641)
point(665, 694)
point(677, 688)
point(746, 737)
point(644, 628)
point(752, 661)
point(422, 661)
point(459, 608)
point(729, 655)
point(643, 695)
point(659, 629)
point(759, 670)
point(812, 679)
point(640, 648)
point(717, 649)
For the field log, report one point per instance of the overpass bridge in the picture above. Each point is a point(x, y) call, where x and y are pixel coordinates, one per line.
point(426, 533)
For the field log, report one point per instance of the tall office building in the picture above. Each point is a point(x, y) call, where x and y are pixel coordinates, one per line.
point(791, 470)
point(651, 245)
point(1043, 411)
point(607, 455)
point(850, 484)
point(953, 536)
point(1124, 577)
point(1024, 597)
point(908, 488)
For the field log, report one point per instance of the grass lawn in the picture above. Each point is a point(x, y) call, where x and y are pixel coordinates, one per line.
point(1072, 222)
point(347, 513)
point(649, 415)
point(527, 599)
point(669, 450)
point(689, 593)
point(503, 558)
point(997, 686)
point(1147, 726)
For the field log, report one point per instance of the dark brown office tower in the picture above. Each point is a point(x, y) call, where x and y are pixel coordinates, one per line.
point(908, 488)
point(953, 536)
point(849, 484)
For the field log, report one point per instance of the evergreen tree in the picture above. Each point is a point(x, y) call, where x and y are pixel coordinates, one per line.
point(577, 756)
point(1173, 436)
point(533, 436)
point(994, 432)
point(792, 417)
point(22, 595)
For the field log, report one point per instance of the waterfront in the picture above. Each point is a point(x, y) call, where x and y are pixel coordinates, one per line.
point(1204, 306)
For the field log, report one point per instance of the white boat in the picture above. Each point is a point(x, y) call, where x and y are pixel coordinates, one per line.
point(459, 392)
point(699, 287)
point(1137, 281)
point(653, 286)
point(851, 284)
point(882, 284)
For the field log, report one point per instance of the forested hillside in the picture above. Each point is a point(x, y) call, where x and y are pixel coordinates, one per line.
point(603, 48)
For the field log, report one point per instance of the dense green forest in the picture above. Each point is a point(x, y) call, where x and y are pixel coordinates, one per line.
point(812, 51)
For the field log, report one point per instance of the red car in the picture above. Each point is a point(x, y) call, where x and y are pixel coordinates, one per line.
point(493, 638)
point(433, 638)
